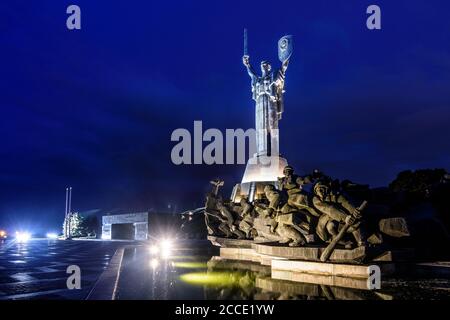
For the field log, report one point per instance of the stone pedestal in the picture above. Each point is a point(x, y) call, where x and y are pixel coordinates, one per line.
point(345, 268)
point(329, 274)
point(264, 168)
point(260, 171)
point(311, 253)
point(230, 243)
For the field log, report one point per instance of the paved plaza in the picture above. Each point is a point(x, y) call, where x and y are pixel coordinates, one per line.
point(36, 269)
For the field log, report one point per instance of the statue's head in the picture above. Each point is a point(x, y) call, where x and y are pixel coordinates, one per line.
point(219, 203)
point(288, 171)
point(265, 67)
point(321, 190)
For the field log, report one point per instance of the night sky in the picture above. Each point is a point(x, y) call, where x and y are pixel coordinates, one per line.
point(95, 108)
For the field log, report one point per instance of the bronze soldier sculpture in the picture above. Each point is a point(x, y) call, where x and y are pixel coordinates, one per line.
point(297, 197)
point(283, 222)
point(247, 216)
point(335, 210)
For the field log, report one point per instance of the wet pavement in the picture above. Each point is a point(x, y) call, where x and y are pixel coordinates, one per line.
point(36, 269)
point(192, 273)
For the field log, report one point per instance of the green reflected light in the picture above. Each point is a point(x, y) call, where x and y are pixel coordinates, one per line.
point(190, 265)
point(210, 278)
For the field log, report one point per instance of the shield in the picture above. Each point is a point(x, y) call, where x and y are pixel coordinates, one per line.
point(285, 48)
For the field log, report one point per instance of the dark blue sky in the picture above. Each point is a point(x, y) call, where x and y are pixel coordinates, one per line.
point(95, 108)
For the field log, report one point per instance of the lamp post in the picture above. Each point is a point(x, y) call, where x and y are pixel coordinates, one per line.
point(65, 214)
point(68, 214)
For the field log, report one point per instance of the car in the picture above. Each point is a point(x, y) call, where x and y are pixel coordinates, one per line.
point(3, 235)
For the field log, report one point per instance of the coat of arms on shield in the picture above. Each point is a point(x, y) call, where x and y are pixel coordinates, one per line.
point(285, 48)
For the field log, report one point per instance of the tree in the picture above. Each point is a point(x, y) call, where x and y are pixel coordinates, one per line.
point(419, 181)
point(81, 226)
point(75, 225)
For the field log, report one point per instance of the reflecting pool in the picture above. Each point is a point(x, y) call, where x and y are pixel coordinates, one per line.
point(197, 272)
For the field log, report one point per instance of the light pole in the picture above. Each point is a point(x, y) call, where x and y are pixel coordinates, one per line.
point(68, 214)
point(65, 214)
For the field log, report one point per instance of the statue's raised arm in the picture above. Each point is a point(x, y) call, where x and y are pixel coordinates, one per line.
point(251, 72)
point(279, 80)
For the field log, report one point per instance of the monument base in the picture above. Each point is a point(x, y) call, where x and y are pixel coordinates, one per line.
point(257, 251)
point(264, 168)
point(348, 268)
point(230, 243)
point(260, 171)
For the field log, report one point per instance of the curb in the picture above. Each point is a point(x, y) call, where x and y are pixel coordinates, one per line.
point(106, 286)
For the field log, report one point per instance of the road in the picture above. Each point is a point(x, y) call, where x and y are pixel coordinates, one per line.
point(37, 268)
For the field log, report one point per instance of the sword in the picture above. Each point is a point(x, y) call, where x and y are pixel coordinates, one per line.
point(245, 42)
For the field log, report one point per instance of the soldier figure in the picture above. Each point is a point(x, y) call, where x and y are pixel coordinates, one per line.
point(213, 220)
point(283, 224)
point(246, 224)
point(335, 210)
point(297, 195)
point(228, 221)
point(218, 218)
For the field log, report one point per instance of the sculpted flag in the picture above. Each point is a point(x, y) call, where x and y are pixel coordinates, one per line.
point(285, 48)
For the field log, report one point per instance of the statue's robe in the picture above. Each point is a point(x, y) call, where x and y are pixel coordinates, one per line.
point(267, 92)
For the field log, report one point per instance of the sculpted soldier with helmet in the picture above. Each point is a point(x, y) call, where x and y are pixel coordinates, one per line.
point(335, 210)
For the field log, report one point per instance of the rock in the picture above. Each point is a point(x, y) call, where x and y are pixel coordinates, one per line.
point(394, 227)
point(375, 238)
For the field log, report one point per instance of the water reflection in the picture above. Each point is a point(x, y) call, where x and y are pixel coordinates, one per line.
point(193, 276)
point(253, 281)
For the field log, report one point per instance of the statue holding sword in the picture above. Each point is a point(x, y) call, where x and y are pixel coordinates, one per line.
point(267, 92)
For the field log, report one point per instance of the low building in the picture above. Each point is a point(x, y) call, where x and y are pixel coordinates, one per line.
point(130, 226)
point(140, 225)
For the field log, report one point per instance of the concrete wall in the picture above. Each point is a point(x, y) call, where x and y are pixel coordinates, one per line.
point(139, 220)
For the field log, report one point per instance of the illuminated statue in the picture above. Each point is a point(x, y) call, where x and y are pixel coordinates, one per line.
point(266, 165)
point(267, 91)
